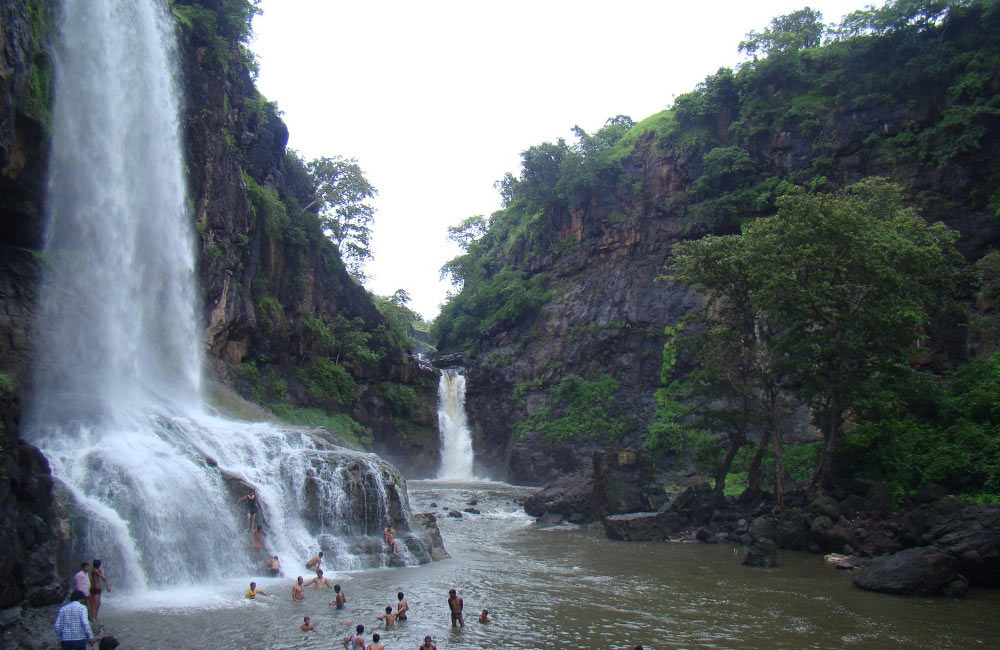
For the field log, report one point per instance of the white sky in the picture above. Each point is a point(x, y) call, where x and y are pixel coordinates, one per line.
point(436, 99)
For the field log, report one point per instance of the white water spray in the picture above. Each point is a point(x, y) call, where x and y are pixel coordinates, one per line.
point(456, 440)
point(150, 477)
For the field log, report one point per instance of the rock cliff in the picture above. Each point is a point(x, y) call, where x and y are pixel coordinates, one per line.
point(604, 264)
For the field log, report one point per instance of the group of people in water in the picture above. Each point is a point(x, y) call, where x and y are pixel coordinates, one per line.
point(356, 640)
point(76, 622)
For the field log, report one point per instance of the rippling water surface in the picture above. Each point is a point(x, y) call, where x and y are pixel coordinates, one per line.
point(561, 588)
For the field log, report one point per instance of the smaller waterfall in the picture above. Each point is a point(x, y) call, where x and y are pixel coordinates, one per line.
point(456, 440)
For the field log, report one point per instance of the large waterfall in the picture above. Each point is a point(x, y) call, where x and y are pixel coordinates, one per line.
point(150, 476)
point(456, 440)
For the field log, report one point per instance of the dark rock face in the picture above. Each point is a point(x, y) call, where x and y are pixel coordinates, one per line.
point(30, 535)
point(972, 537)
point(642, 526)
point(762, 553)
point(923, 570)
point(570, 496)
point(624, 482)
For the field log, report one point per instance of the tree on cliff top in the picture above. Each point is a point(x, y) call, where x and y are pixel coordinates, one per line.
point(798, 30)
point(342, 192)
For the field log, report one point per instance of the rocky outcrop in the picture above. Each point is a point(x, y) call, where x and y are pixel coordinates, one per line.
point(571, 497)
point(624, 481)
point(923, 571)
point(426, 524)
point(30, 532)
point(972, 537)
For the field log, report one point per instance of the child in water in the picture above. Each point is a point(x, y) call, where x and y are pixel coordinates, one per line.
point(306, 625)
point(484, 618)
point(253, 591)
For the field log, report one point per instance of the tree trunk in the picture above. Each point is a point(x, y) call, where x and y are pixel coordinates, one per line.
point(753, 475)
point(737, 440)
point(830, 435)
point(779, 472)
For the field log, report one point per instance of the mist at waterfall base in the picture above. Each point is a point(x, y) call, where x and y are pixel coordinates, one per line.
point(149, 475)
point(456, 439)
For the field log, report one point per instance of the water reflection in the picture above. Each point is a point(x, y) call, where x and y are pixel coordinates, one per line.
point(568, 588)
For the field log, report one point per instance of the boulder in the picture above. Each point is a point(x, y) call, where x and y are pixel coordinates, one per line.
point(426, 523)
point(972, 537)
point(762, 553)
point(566, 496)
point(624, 482)
point(930, 492)
point(825, 506)
point(915, 526)
point(642, 526)
point(923, 571)
point(550, 519)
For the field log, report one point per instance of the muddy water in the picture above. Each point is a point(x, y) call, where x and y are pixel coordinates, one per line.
point(562, 588)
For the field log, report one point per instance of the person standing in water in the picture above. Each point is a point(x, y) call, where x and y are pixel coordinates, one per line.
point(402, 607)
point(375, 644)
point(319, 580)
point(340, 599)
point(484, 618)
point(388, 617)
point(298, 591)
point(389, 535)
point(253, 591)
point(251, 508)
point(456, 605)
point(356, 641)
point(306, 625)
point(274, 567)
point(428, 644)
point(96, 578)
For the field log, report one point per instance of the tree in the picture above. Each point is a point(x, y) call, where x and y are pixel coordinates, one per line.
point(848, 280)
point(798, 30)
point(469, 231)
point(736, 347)
point(342, 192)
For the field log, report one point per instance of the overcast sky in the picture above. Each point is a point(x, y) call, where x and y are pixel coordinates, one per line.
point(437, 99)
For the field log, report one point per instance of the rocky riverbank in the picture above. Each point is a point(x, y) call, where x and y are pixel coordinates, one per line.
point(934, 544)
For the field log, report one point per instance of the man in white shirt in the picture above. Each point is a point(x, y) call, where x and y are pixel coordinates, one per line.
point(81, 579)
point(72, 624)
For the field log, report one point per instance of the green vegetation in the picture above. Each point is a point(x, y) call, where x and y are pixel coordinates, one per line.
point(342, 193)
point(329, 380)
point(824, 300)
point(580, 410)
point(214, 28)
point(353, 433)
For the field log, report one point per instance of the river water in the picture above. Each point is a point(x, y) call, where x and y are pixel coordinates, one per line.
point(560, 588)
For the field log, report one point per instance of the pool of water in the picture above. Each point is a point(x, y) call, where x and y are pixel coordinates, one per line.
point(564, 587)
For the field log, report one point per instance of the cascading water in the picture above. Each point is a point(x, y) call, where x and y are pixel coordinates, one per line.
point(150, 477)
point(456, 440)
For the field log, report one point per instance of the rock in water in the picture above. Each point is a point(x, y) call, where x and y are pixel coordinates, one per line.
point(972, 537)
point(763, 553)
point(924, 571)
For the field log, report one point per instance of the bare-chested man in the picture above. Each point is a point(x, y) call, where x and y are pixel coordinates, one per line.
point(319, 580)
point(428, 644)
point(340, 599)
point(388, 617)
point(376, 642)
point(402, 607)
point(456, 605)
point(315, 563)
point(298, 591)
point(389, 536)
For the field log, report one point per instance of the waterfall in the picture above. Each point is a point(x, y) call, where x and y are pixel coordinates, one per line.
point(456, 440)
point(149, 476)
